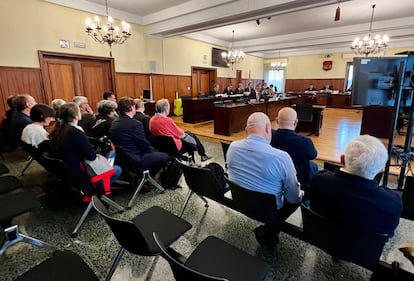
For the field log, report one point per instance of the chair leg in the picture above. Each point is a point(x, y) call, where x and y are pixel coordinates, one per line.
point(204, 200)
point(82, 219)
point(115, 263)
point(145, 178)
point(140, 185)
point(113, 204)
point(13, 236)
point(27, 166)
point(187, 199)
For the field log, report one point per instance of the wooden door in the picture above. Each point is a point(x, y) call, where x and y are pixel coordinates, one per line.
point(67, 75)
point(202, 79)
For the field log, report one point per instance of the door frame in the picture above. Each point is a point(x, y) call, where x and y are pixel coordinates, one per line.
point(196, 77)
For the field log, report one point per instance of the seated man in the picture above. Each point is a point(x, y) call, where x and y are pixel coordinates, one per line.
point(141, 116)
point(311, 88)
point(255, 165)
point(228, 90)
point(88, 118)
point(299, 147)
point(215, 91)
point(161, 125)
point(239, 90)
point(23, 105)
point(352, 196)
point(327, 88)
point(128, 133)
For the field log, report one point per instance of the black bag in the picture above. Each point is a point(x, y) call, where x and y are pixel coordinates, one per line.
point(392, 272)
point(218, 173)
point(170, 175)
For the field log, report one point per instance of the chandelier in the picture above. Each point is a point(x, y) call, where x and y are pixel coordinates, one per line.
point(370, 45)
point(233, 56)
point(278, 65)
point(108, 32)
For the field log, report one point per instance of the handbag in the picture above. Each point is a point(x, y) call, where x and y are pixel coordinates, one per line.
point(98, 166)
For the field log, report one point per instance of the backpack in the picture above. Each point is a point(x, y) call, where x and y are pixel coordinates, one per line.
point(171, 175)
point(218, 173)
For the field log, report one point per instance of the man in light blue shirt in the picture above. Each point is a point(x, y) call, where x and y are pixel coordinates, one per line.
point(255, 165)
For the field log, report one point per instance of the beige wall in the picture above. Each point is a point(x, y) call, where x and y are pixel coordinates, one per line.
point(33, 25)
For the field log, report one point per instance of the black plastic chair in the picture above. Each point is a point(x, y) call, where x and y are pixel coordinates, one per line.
point(214, 259)
point(62, 266)
point(127, 163)
point(3, 169)
point(61, 171)
point(225, 147)
point(408, 198)
point(305, 116)
point(201, 182)
point(135, 236)
point(12, 205)
point(256, 205)
point(342, 241)
point(166, 144)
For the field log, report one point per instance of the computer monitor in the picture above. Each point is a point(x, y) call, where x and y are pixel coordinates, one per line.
point(146, 94)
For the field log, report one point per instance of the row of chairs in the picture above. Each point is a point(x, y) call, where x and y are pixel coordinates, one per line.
point(341, 241)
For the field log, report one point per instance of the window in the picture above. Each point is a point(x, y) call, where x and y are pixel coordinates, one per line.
point(277, 78)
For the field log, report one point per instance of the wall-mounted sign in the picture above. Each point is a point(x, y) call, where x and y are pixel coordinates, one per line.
point(327, 65)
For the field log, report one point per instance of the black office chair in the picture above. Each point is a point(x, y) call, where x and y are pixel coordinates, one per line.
point(201, 182)
point(214, 259)
point(61, 171)
point(256, 205)
point(128, 165)
point(408, 198)
point(305, 115)
point(63, 266)
point(342, 241)
point(135, 236)
point(12, 205)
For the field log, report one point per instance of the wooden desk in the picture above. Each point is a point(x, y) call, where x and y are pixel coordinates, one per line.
point(198, 109)
point(231, 118)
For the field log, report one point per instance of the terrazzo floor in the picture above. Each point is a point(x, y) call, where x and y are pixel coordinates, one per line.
point(53, 222)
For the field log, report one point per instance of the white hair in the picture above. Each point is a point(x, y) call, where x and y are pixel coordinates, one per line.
point(57, 103)
point(365, 156)
point(80, 100)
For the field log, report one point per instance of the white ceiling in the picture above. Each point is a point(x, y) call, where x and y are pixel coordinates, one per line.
point(288, 27)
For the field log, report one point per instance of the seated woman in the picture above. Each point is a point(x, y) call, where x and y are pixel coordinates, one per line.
point(35, 133)
point(107, 111)
point(161, 125)
point(69, 142)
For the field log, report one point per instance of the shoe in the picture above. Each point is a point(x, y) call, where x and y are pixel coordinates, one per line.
point(205, 158)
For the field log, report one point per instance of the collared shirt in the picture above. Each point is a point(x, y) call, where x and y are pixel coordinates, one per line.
point(161, 125)
point(255, 165)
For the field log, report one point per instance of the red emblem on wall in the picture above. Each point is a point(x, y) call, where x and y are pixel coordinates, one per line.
point(327, 65)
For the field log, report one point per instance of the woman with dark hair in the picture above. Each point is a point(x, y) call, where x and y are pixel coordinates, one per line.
point(106, 109)
point(35, 133)
point(70, 143)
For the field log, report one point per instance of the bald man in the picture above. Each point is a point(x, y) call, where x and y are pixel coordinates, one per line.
point(299, 147)
point(255, 165)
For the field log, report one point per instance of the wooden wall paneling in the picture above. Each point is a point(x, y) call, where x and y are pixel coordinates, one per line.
point(299, 85)
point(234, 82)
point(194, 83)
point(170, 87)
point(157, 86)
point(19, 80)
point(125, 85)
point(184, 85)
point(141, 81)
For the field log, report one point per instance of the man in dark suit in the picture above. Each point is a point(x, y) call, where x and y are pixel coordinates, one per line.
point(300, 148)
point(239, 90)
point(215, 91)
point(128, 134)
point(351, 196)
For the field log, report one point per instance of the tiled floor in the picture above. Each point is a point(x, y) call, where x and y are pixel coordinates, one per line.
point(53, 222)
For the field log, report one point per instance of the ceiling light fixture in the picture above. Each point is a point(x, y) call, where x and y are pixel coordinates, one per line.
point(232, 56)
point(368, 45)
point(278, 65)
point(107, 33)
